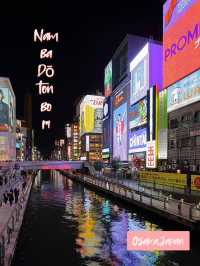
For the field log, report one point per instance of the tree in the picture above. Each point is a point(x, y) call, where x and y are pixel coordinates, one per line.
point(98, 165)
point(115, 165)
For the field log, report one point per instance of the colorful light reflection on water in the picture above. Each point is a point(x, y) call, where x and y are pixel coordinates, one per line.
point(67, 224)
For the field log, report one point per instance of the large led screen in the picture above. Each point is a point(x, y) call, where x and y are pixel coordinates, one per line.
point(137, 140)
point(138, 114)
point(120, 132)
point(139, 75)
point(181, 39)
point(7, 106)
point(91, 114)
point(184, 92)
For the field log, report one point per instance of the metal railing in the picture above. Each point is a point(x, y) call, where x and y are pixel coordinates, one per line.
point(156, 199)
point(11, 225)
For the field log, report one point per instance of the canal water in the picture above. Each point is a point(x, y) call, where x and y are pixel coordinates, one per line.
point(68, 224)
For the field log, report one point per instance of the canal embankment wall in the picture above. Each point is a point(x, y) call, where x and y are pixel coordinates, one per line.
point(11, 218)
point(184, 213)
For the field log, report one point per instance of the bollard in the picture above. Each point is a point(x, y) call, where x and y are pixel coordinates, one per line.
point(166, 202)
point(180, 203)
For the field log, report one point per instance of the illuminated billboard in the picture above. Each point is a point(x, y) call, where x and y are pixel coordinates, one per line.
point(107, 123)
point(184, 92)
point(137, 140)
point(138, 114)
point(7, 106)
point(139, 68)
point(181, 39)
point(91, 114)
point(108, 79)
point(162, 126)
point(120, 132)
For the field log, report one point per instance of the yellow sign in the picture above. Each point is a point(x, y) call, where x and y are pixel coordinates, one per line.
point(88, 118)
point(167, 179)
point(195, 182)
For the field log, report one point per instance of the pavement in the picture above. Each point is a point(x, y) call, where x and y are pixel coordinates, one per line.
point(6, 210)
point(134, 184)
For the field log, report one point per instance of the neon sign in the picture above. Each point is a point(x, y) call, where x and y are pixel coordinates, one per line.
point(45, 70)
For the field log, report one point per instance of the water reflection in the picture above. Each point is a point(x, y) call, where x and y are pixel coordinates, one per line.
point(80, 226)
point(102, 230)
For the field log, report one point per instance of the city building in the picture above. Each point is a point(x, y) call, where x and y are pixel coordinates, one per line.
point(28, 119)
point(75, 141)
point(91, 127)
point(143, 111)
point(7, 121)
point(181, 81)
point(116, 86)
point(68, 138)
point(21, 140)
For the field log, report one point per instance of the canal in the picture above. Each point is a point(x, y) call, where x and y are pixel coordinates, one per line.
point(68, 224)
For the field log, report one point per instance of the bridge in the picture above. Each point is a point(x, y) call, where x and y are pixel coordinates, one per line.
point(49, 165)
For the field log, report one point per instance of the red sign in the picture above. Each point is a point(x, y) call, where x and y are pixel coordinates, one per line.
point(181, 41)
point(197, 182)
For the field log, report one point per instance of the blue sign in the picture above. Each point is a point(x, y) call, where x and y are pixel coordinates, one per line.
point(184, 92)
point(137, 140)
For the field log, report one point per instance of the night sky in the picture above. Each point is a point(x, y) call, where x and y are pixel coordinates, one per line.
point(88, 37)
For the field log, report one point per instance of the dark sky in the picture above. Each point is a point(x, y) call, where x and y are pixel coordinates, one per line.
point(89, 35)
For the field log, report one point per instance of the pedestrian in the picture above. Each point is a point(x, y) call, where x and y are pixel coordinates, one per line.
point(10, 198)
point(23, 185)
point(180, 204)
point(16, 192)
point(5, 197)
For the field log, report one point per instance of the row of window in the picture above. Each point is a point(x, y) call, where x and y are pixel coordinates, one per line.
point(189, 117)
point(185, 142)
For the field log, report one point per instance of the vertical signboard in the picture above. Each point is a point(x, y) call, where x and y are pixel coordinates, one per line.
point(108, 80)
point(87, 143)
point(162, 126)
point(151, 161)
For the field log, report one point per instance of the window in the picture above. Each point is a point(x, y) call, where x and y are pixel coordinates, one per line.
point(186, 117)
point(197, 117)
point(173, 123)
point(172, 143)
point(186, 142)
point(198, 141)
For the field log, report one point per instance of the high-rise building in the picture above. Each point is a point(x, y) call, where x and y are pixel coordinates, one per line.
point(28, 119)
point(91, 127)
point(7, 121)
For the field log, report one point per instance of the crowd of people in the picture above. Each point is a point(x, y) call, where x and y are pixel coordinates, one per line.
point(12, 196)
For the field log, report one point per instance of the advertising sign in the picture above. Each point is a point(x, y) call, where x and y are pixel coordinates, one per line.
point(137, 140)
point(184, 92)
point(106, 108)
point(151, 161)
point(120, 132)
point(138, 114)
point(91, 114)
point(195, 182)
point(166, 179)
point(181, 39)
point(162, 126)
point(139, 69)
point(108, 79)
point(87, 143)
point(7, 106)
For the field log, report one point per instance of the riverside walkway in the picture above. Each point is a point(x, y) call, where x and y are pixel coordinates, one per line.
point(182, 212)
point(11, 218)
